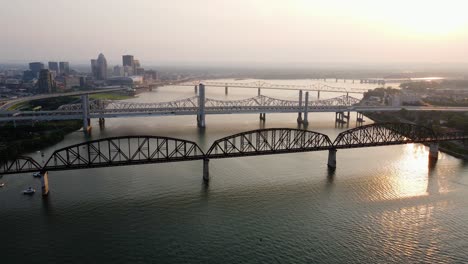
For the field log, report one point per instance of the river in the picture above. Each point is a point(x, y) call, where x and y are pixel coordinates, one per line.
point(382, 204)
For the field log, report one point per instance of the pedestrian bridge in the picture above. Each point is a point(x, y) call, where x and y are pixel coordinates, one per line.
point(135, 150)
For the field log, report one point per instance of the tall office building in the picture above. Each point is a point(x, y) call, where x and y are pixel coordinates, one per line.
point(117, 71)
point(54, 66)
point(46, 83)
point(94, 68)
point(64, 67)
point(99, 68)
point(36, 67)
point(129, 61)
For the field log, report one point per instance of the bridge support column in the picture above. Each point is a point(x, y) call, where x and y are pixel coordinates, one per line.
point(434, 151)
point(299, 114)
point(259, 91)
point(226, 90)
point(85, 108)
point(206, 170)
point(201, 107)
point(359, 117)
point(318, 95)
point(306, 110)
point(332, 158)
point(45, 183)
point(263, 116)
point(196, 89)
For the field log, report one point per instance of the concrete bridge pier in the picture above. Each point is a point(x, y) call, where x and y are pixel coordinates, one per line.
point(434, 151)
point(318, 95)
point(299, 114)
point(85, 108)
point(263, 117)
point(360, 117)
point(259, 91)
point(206, 170)
point(226, 90)
point(45, 183)
point(305, 122)
point(201, 107)
point(196, 89)
point(332, 158)
point(102, 122)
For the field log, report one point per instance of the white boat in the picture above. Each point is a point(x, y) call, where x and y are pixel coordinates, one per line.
point(37, 174)
point(2, 184)
point(29, 191)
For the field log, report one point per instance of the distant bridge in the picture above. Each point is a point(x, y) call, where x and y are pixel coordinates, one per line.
point(134, 150)
point(261, 85)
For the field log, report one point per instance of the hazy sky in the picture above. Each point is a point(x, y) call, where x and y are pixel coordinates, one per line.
point(235, 31)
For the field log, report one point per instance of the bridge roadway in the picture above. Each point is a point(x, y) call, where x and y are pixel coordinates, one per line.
point(13, 102)
point(192, 106)
point(260, 85)
point(135, 150)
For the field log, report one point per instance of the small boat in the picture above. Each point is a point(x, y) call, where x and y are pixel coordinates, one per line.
point(29, 191)
point(2, 184)
point(37, 175)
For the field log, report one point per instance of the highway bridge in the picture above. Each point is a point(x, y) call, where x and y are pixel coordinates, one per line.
point(135, 150)
point(200, 106)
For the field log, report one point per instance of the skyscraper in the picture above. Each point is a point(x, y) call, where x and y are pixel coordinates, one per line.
point(94, 68)
point(101, 63)
point(54, 66)
point(117, 70)
point(36, 67)
point(45, 84)
point(64, 67)
point(129, 61)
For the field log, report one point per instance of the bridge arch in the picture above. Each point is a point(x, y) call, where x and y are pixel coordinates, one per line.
point(121, 151)
point(268, 141)
point(19, 165)
point(380, 134)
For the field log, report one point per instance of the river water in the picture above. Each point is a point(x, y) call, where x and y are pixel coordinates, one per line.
point(382, 204)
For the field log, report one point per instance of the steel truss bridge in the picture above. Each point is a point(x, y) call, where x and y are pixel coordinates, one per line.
point(316, 87)
point(135, 150)
point(201, 106)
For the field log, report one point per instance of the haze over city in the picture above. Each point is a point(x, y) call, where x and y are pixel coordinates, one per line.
point(259, 32)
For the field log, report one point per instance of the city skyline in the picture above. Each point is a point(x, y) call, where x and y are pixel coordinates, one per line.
point(297, 32)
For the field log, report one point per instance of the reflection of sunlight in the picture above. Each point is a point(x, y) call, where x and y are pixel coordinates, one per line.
point(411, 172)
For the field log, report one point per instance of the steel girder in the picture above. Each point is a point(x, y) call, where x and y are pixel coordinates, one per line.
point(192, 102)
point(268, 141)
point(120, 151)
point(381, 134)
point(20, 165)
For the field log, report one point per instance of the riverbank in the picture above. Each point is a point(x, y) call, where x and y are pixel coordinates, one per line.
point(21, 138)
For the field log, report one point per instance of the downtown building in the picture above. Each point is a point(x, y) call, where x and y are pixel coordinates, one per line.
point(46, 83)
point(64, 67)
point(35, 68)
point(99, 68)
point(54, 66)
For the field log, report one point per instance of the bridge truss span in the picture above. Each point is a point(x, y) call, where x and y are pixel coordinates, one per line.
point(120, 151)
point(268, 141)
point(20, 165)
point(381, 134)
